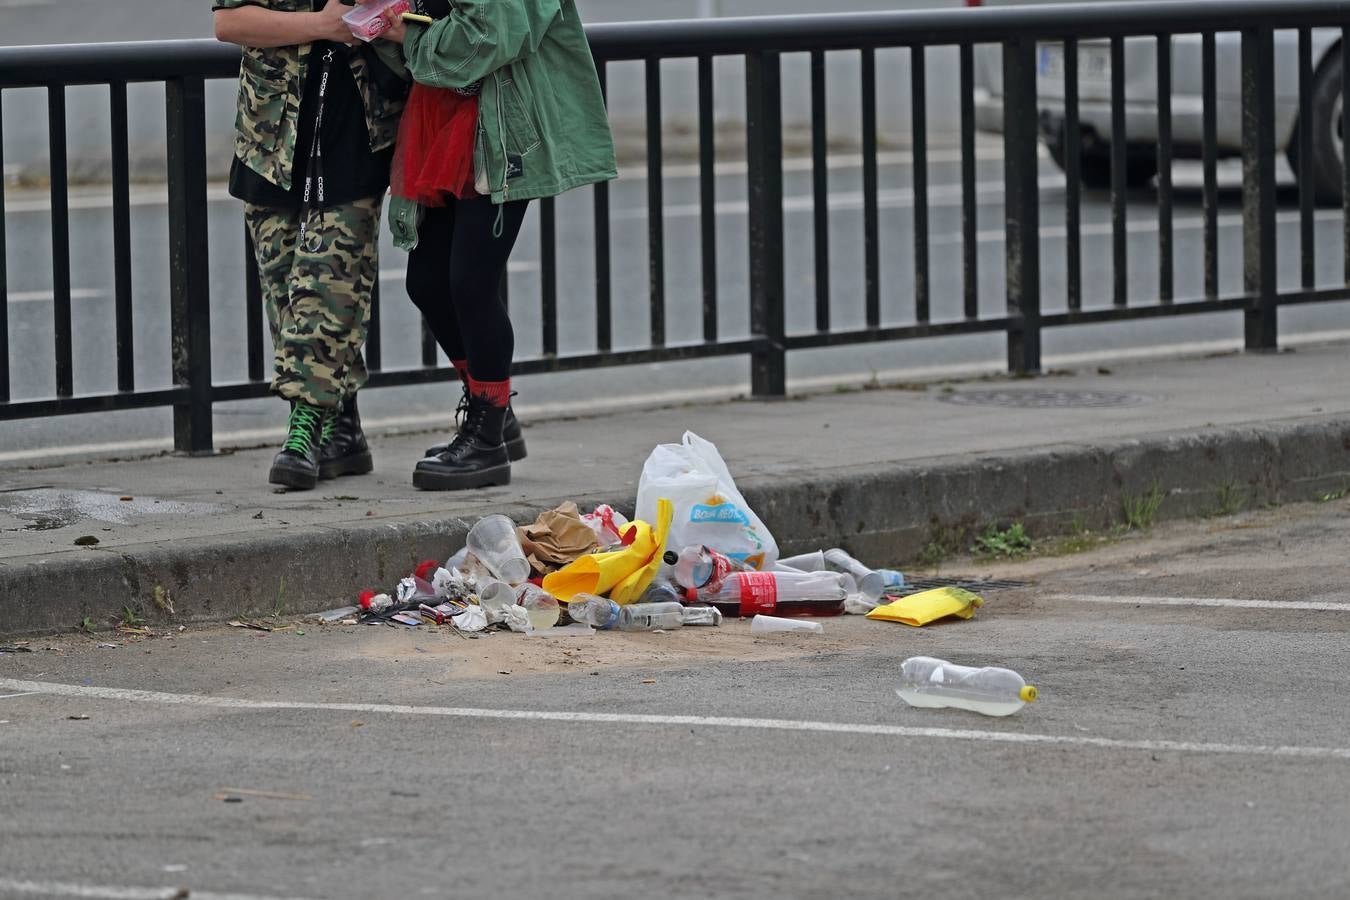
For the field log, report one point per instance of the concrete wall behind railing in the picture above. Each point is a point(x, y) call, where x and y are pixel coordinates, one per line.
point(77, 21)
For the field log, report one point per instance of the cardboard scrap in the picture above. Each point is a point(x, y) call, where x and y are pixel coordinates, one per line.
point(556, 538)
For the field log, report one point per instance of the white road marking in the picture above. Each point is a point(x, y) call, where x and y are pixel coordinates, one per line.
point(14, 886)
point(12, 696)
point(1206, 601)
point(897, 731)
point(419, 422)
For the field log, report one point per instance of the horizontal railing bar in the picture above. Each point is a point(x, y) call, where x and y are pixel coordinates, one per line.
point(1130, 313)
point(894, 333)
point(91, 403)
point(73, 64)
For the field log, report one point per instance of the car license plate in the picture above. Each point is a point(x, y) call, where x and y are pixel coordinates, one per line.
point(1094, 63)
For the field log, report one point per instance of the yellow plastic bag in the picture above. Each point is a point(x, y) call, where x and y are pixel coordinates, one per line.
point(920, 609)
point(622, 575)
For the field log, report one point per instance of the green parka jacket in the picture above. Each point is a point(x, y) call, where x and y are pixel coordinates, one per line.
point(542, 124)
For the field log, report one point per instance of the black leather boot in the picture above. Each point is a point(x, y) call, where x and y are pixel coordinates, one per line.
point(512, 433)
point(476, 458)
point(344, 450)
point(297, 465)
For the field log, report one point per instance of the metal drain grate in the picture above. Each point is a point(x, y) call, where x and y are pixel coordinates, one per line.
point(1047, 399)
point(974, 585)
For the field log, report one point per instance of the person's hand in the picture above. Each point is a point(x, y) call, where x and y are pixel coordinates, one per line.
point(398, 29)
point(330, 26)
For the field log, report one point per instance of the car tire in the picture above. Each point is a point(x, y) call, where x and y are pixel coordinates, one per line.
point(1325, 169)
point(1094, 169)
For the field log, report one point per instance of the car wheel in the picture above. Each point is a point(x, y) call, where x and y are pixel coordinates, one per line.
point(1325, 169)
point(1096, 171)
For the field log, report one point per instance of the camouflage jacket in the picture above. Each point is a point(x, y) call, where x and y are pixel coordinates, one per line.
point(271, 84)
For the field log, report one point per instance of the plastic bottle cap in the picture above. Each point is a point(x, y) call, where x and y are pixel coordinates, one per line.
point(1028, 694)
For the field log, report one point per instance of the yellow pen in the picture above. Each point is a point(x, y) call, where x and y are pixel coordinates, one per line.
point(414, 17)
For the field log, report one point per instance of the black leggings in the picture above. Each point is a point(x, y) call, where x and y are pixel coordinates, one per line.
point(453, 278)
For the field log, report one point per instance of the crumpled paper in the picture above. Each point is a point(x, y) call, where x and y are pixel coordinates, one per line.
point(556, 539)
point(518, 620)
point(474, 618)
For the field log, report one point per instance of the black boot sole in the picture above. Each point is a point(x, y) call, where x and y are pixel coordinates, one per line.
point(358, 464)
point(431, 480)
point(295, 479)
point(515, 450)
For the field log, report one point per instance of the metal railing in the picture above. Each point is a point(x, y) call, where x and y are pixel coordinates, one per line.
point(184, 67)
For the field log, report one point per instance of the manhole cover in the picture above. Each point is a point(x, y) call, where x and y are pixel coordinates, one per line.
point(974, 585)
point(1047, 399)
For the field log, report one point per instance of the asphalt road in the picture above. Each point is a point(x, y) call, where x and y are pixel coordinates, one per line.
point(1188, 742)
point(31, 327)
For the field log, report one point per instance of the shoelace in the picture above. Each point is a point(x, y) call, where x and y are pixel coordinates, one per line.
point(464, 438)
point(303, 420)
point(329, 428)
point(463, 409)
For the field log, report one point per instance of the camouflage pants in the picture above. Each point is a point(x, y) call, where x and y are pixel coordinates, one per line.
point(318, 295)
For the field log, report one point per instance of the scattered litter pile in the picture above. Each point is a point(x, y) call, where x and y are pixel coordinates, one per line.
point(694, 554)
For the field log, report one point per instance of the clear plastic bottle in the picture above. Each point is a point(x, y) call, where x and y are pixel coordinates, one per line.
point(696, 567)
point(663, 590)
point(606, 614)
point(935, 683)
point(746, 594)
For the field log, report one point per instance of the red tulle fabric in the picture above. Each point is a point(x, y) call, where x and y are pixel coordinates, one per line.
point(435, 146)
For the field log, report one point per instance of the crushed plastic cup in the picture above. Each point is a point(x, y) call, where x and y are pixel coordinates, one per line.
point(541, 606)
point(774, 625)
point(369, 20)
point(494, 542)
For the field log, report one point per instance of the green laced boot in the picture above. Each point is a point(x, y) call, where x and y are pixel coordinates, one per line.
point(297, 465)
point(344, 450)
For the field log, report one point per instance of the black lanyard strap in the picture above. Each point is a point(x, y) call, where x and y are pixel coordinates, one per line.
point(313, 196)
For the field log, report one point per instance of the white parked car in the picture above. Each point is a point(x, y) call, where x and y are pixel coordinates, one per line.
point(1141, 102)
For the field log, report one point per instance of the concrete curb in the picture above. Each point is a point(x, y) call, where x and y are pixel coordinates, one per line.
point(887, 514)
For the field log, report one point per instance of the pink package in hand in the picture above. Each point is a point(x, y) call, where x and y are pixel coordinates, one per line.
point(370, 20)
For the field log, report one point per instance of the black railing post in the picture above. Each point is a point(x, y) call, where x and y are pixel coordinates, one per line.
point(189, 278)
point(764, 134)
point(1261, 321)
point(1022, 206)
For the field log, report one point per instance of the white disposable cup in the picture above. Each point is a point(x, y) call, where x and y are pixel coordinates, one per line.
point(772, 624)
point(870, 584)
point(805, 562)
point(496, 596)
point(493, 540)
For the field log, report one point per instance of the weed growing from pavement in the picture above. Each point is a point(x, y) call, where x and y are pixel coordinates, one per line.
point(131, 618)
point(279, 609)
point(87, 625)
point(1010, 543)
point(1334, 495)
point(1231, 499)
point(943, 543)
point(1141, 509)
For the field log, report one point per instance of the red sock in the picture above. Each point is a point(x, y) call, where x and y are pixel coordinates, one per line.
point(461, 367)
point(498, 393)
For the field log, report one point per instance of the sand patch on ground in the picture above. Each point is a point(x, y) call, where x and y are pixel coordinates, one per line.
point(491, 655)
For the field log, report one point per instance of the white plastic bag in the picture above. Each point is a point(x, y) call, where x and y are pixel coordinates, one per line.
point(708, 508)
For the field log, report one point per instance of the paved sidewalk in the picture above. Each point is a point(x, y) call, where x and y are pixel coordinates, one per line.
point(879, 471)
